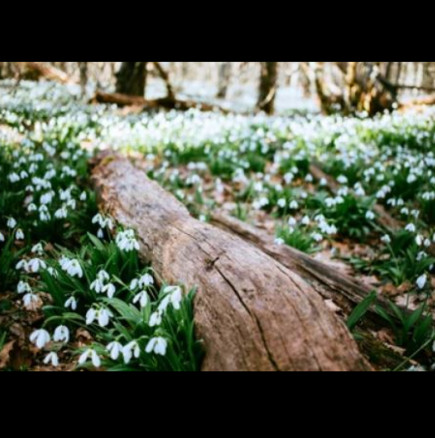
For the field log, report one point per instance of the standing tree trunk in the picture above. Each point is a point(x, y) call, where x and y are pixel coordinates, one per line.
point(83, 67)
point(267, 87)
point(131, 78)
point(224, 73)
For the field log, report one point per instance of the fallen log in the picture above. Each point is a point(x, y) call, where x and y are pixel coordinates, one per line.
point(328, 282)
point(251, 312)
point(147, 104)
point(35, 70)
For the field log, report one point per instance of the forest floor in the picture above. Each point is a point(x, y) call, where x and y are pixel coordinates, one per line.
point(73, 291)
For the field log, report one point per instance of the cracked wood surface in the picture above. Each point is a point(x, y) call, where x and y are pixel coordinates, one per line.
point(251, 312)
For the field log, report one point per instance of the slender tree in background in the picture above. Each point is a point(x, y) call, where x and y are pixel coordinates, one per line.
point(267, 87)
point(224, 74)
point(83, 67)
point(131, 78)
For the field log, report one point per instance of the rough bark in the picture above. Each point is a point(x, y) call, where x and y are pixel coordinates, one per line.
point(251, 312)
point(267, 87)
point(224, 74)
point(131, 78)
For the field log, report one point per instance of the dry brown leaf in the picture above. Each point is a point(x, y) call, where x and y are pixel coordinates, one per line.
point(5, 353)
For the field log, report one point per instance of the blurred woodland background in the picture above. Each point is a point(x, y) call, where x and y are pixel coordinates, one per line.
point(272, 87)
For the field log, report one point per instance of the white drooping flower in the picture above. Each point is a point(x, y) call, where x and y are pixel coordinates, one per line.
point(142, 297)
point(279, 241)
point(22, 264)
point(155, 318)
point(40, 337)
point(23, 287)
point(114, 348)
point(31, 301)
point(35, 264)
point(421, 281)
point(2, 237)
point(19, 235)
point(71, 266)
point(370, 215)
point(90, 316)
point(37, 249)
point(281, 202)
point(103, 316)
point(293, 205)
point(158, 345)
point(52, 358)
point(126, 241)
point(410, 228)
point(386, 238)
point(11, 223)
point(96, 361)
point(110, 289)
point(71, 302)
point(129, 350)
point(61, 333)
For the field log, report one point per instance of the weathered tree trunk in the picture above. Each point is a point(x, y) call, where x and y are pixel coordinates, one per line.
point(131, 78)
point(83, 67)
point(35, 70)
point(170, 95)
point(224, 74)
point(267, 87)
point(251, 312)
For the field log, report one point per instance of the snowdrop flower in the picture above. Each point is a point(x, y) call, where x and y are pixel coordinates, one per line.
point(72, 267)
point(19, 235)
point(31, 301)
point(155, 318)
point(293, 205)
point(281, 203)
point(83, 196)
point(11, 223)
point(386, 238)
point(37, 249)
point(292, 222)
point(35, 264)
point(61, 213)
point(114, 348)
point(96, 361)
point(342, 179)
point(410, 228)
point(22, 264)
point(61, 334)
point(279, 241)
point(71, 302)
point(158, 345)
point(103, 315)
point(90, 315)
point(2, 238)
point(22, 287)
point(317, 237)
point(323, 182)
point(142, 297)
point(126, 241)
point(175, 295)
point(370, 215)
point(421, 281)
point(305, 220)
point(419, 239)
point(100, 233)
point(40, 337)
point(129, 350)
point(52, 358)
point(110, 289)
